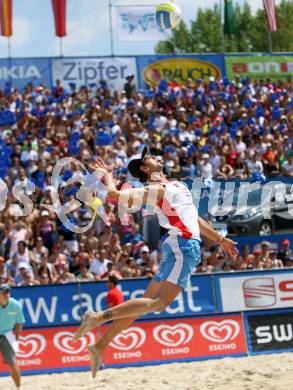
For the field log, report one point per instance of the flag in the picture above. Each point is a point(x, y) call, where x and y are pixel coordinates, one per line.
point(270, 9)
point(6, 17)
point(229, 26)
point(138, 24)
point(59, 10)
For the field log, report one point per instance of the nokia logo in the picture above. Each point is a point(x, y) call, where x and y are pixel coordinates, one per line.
point(19, 72)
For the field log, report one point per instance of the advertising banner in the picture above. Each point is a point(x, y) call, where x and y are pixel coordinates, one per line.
point(254, 291)
point(87, 71)
point(137, 24)
point(52, 349)
point(65, 304)
point(259, 67)
point(20, 72)
point(178, 69)
point(179, 339)
point(270, 331)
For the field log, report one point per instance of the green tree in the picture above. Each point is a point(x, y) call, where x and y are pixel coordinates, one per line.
point(203, 36)
point(179, 39)
point(283, 38)
point(206, 30)
point(251, 32)
point(260, 34)
point(165, 47)
point(182, 38)
point(243, 24)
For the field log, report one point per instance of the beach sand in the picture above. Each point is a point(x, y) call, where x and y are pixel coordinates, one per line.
point(264, 372)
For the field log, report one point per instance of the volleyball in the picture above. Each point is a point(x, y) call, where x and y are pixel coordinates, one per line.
point(167, 15)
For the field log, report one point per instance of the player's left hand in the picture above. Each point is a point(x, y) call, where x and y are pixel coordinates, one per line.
point(99, 162)
point(229, 247)
point(100, 167)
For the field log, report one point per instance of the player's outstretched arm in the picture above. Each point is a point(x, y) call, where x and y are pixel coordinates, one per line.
point(106, 171)
point(228, 246)
point(138, 197)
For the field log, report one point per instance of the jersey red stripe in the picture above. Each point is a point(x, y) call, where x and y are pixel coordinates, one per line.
point(173, 217)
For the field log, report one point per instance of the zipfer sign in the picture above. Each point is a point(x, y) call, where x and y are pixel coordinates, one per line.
point(179, 70)
point(85, 71)
point(260, 67)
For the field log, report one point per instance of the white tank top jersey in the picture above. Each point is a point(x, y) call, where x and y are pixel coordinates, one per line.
point(176, 211)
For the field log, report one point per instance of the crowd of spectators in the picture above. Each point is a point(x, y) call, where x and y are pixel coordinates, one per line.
point(214, 129)
point(263, 256)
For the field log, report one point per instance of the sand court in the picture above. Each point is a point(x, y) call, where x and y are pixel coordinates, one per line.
point(264, 372)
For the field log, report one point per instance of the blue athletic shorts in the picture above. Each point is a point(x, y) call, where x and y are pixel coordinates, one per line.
point(179, 258)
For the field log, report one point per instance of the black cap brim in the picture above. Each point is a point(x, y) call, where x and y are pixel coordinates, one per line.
point(135, 164)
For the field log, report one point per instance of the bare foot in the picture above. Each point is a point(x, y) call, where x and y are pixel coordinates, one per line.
point(95, 359)
point(88, 323)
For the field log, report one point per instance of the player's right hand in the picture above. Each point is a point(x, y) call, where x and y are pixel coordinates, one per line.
point(229, 247)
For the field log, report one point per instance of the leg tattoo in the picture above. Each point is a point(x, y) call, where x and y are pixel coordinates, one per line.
point(107, 315)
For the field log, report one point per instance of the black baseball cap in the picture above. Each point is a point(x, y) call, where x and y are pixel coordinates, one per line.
point(136, 162)
point(4, 287)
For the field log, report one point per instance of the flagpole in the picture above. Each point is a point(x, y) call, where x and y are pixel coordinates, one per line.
point(9, 57)
point(61, 47)
point(111, 28)
point(222, 27)
point(9, 48)
point(270, 11)
point(270, 42)
point(173, 38)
